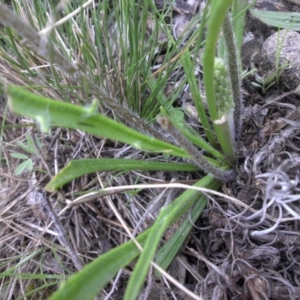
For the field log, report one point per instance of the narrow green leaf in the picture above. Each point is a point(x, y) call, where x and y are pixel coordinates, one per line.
point(141, 268)
point(239, 10)
point(193, 137)
point(19, 155)
point(77, 168)
point(286, 20)
point(190, 75)
point(217, 15)
point(94, 276)
point(166, 215)
point(25, 165)
point(20, 260)
point(46, 111)
point(27, 147)
point(31, 147)
point(169, 250)
point(167, 253)
point(30, 276)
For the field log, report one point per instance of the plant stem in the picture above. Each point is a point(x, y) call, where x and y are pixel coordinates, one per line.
point(233, 65)
point(198, 159)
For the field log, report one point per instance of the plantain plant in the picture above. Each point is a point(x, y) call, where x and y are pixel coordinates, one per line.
point(135, 125)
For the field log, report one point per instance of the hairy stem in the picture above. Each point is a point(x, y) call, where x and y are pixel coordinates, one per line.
point(198, 159)
point(233, 65)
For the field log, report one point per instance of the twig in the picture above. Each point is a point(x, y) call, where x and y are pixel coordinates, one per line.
point(62, 234)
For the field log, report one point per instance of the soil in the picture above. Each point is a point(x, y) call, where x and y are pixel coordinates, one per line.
point(237, 250)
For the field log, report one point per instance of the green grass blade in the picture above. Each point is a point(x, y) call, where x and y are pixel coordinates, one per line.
point(141, 268)
point(46, 111)
point(167, 253)
point(94, 276)
point(80, 167)
point(166, 217)
point(157, 96)
point(169, 250)
point(188, 131)
point(30, 275)
point(20, 260)
point(190, 75)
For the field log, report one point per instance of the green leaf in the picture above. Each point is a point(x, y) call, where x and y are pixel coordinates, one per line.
point(169, 250)
point(46, 111)
point(19, 261)
point(19, 155)
point(141, 268)
point(193, 137)
point(77, 168)
point(191, 78)
point(286, 20)
point(166, 217)
point(239, 10)
point(31, 146)
point(217, 15)
point(25, 165)
point(94, 276)
point(26, 147)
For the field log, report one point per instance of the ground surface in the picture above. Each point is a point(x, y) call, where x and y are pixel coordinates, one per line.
point(236, 251)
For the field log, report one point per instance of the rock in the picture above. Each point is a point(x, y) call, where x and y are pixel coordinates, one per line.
point(280, 57)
